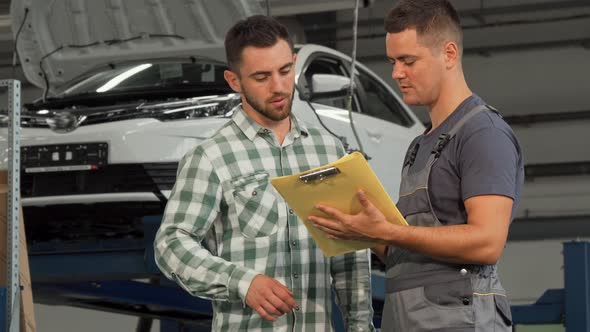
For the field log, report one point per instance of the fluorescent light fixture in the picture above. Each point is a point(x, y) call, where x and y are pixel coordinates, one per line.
point(123, 76)
point(43, 112)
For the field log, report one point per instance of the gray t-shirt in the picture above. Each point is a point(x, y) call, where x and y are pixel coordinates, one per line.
point(484, 158)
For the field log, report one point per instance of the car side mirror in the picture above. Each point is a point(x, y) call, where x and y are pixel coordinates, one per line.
point(324, 86)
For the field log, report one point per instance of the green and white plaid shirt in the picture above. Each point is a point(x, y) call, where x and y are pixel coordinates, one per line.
point(222, 195)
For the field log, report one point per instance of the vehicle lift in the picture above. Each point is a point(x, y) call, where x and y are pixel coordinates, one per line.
point(120, 275)
point(105, 277)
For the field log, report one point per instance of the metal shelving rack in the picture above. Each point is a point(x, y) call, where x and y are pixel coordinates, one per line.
point(10, 294)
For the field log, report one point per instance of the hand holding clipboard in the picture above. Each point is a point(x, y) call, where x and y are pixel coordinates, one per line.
point(336, 185)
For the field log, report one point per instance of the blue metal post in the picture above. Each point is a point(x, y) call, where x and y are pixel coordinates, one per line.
point(2, 307)
point(576, 257)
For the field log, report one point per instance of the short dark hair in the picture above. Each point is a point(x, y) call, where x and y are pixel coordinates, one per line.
point(430, 18)
point(257, 31)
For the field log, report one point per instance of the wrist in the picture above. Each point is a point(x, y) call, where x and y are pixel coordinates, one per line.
point(392, 236)
point(239, 283)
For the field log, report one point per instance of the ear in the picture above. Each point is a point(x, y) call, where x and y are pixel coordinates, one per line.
point(233, 80)
point(451, 54)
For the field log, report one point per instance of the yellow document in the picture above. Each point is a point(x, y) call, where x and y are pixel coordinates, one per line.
point(336, 185)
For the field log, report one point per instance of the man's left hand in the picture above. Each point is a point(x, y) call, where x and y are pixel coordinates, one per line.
point(369, 224)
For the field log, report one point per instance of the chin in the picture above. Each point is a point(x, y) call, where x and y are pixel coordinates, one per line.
point(411, 101)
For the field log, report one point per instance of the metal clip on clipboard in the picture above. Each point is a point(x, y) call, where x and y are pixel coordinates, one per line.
point(319, 175)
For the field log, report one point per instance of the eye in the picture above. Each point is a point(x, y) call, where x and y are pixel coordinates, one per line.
point(286, 71)
point(260, 78)
point(409, 62)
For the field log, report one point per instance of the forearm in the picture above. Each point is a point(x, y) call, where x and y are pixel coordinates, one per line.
point(352, 282)
point(181, 258)
point(192, 208)
point(465, 244)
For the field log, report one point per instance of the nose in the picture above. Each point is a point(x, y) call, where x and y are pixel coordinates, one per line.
point(278, 83)
point(397, 72)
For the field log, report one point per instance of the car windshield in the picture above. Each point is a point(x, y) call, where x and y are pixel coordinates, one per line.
point(147, 75)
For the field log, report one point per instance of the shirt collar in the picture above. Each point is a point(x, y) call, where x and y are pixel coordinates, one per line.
point(251, 128)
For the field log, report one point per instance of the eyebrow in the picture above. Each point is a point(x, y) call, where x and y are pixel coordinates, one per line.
point(402, 58)
point(268, 72)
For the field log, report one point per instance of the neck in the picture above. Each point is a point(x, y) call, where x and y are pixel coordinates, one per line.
point(451, 96)
point(279, 128)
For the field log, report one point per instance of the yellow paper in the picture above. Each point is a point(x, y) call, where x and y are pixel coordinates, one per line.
point(338, 191)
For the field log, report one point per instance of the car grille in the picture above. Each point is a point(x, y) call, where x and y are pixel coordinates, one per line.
point(120, 178)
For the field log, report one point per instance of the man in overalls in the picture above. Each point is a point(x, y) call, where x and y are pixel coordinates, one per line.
point(461, 184)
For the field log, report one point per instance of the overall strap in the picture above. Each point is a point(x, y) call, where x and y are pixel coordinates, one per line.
point(445, 138)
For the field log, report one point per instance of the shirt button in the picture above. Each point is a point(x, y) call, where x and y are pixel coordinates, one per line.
point(254, 193)
point(290, 211)
point(294, 243)
point(295, 275)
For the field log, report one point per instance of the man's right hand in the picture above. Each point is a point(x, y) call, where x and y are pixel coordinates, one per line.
point(269, 297)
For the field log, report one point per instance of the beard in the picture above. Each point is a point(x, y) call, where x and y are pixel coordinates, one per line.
point(267, 109)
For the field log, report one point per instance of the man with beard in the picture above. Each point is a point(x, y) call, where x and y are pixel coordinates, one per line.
point(261, 268)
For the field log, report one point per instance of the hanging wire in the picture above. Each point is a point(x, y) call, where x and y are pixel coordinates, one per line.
point(16, 38)
point(352, 71)
point(267, 7)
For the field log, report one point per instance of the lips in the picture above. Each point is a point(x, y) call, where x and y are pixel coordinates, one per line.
point(278, 102)
point(404, 88)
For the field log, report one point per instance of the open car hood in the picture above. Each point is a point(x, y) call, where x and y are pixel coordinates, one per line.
point(61, 39)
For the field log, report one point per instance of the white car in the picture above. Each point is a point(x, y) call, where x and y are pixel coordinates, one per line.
point(130, 90)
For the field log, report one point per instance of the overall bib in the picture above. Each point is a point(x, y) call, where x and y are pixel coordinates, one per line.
point(423, 294)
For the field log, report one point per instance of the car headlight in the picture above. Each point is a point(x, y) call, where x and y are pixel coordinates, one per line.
point(66, 120)
point(192, 108)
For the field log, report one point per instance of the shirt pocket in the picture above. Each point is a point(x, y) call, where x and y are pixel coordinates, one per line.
point(256, 205)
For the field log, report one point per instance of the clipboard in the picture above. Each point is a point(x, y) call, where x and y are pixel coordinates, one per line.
point(336, 185)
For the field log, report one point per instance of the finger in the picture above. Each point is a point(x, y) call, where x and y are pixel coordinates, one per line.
point(329, 231)
point(281, 288)
point(279, 294)
point(365, 202)
point(335, 213)
point(287, 297)
point(330, 223)
point(284, 294)
point(363, 199)
point(262, 312)
point(325, 229)
point(270, 308)
point(367, 205)
point(279, 304)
